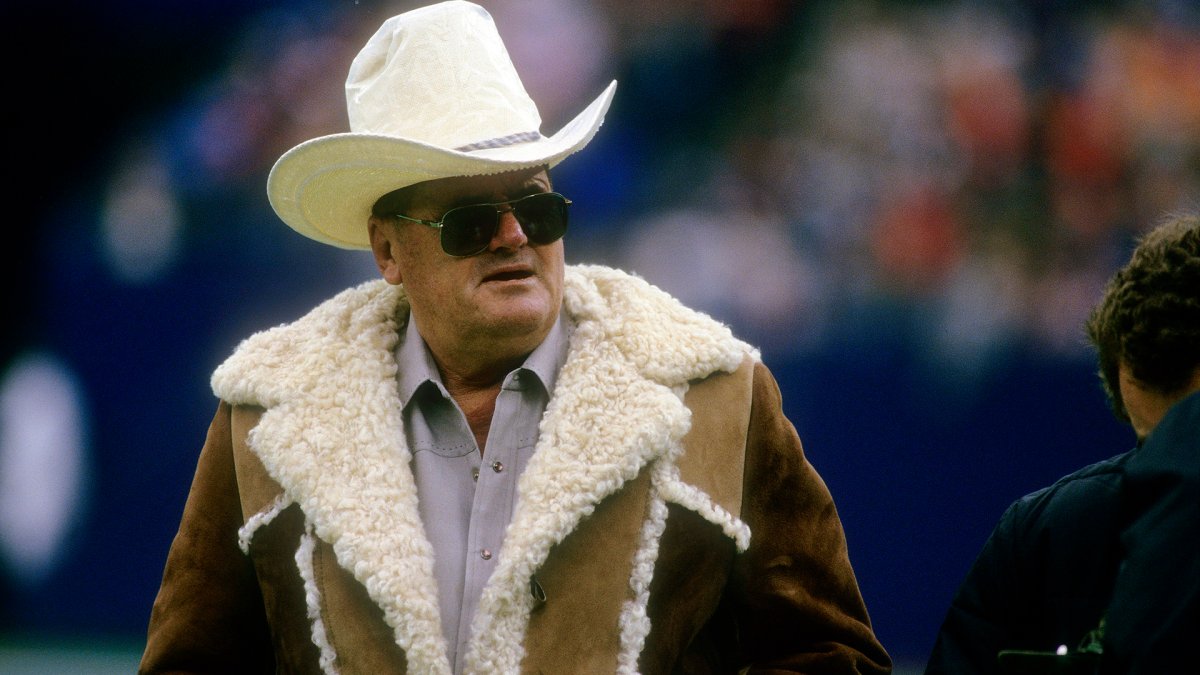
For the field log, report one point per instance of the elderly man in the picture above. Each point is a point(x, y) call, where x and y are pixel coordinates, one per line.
point(1104, 564)
point(488, 461)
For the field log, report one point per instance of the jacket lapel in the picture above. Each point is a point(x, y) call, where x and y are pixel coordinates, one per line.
point(618, 406)
point(604, 424)
point(332, 437)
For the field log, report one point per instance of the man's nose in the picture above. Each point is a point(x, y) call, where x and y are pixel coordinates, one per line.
point(509, 233)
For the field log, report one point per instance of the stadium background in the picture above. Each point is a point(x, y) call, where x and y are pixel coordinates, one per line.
point(909, 206)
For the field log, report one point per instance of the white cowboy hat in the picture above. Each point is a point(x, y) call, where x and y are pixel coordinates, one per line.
point(433, 94)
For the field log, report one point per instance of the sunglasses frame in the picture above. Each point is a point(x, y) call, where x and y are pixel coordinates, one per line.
point(439, 224)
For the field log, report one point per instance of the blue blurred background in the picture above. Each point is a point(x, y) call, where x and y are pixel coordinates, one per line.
point(909, 206)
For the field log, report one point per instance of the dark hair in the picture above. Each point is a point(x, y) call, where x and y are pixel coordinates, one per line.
point(1149, 317)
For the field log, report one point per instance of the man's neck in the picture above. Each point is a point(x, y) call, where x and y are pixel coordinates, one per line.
point(475, 391)
point(477, 404)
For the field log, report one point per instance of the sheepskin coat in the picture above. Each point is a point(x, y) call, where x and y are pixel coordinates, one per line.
point(668, 521)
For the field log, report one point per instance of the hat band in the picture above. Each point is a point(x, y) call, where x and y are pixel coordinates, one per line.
point(503, 141)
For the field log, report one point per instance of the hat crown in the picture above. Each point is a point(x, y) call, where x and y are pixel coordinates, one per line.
point(439, 75)
point(432, 94)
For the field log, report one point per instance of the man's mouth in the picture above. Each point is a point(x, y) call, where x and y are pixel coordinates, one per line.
point(509, 275)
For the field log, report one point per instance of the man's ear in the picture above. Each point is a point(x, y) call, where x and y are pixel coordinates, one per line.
point(385, 248)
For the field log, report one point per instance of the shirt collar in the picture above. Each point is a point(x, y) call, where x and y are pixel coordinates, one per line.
point(548, 358)
point(416, 364)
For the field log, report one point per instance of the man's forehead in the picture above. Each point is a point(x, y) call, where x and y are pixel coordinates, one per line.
point(486, 188)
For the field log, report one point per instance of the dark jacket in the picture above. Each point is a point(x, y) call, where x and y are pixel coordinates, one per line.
point(1118, 540)
point(1154, 620)
point(1044, 576)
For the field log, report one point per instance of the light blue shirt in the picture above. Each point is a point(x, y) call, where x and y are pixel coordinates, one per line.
point(466, 502)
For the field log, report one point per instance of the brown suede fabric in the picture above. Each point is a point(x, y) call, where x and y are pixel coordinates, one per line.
point(799, 607)
point(715, 445)
point(255, 486)
point(354, 624)
point(788, 604)
point(208, 616)
point(586, 580)
point(351, 619)
point(273, 551)
point(694, 563)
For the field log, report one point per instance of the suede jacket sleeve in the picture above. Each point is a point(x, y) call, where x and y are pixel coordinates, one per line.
point(799, 606)
point(208, 616)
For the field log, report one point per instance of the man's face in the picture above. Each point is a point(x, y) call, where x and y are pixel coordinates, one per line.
point(498, 304)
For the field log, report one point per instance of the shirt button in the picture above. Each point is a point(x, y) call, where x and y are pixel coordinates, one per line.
point(475, 475)
point(497, 466)
point(485, 554)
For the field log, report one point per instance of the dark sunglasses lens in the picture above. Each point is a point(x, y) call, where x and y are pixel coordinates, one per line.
point(543, 217)
point(467, 230)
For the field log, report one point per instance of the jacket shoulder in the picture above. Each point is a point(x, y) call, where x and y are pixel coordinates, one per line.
point(715, 446)
point(358, 325)
point(663, 339)
point(1080, 491)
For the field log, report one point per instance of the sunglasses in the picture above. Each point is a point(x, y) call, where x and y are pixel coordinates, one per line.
point(467, 230)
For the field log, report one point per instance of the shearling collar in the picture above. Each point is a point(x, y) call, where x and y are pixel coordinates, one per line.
point(332, 436)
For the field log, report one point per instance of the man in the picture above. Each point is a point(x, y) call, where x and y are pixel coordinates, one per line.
point(488, 461)
point(1149, 326)
point(1106, 559)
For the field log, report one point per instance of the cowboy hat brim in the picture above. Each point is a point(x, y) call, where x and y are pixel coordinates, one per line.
point(324, 188)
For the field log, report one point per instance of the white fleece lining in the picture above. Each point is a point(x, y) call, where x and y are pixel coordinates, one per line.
point(604, 424)
point(689, 496)
point(332, 437)
point(634, 621)
point(312, 599)
point(246, 532)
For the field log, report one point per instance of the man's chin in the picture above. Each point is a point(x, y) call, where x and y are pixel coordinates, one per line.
point(517, 320)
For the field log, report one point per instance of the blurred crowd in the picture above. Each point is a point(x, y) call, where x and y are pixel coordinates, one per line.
point(952, 179)
point(806, 171)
